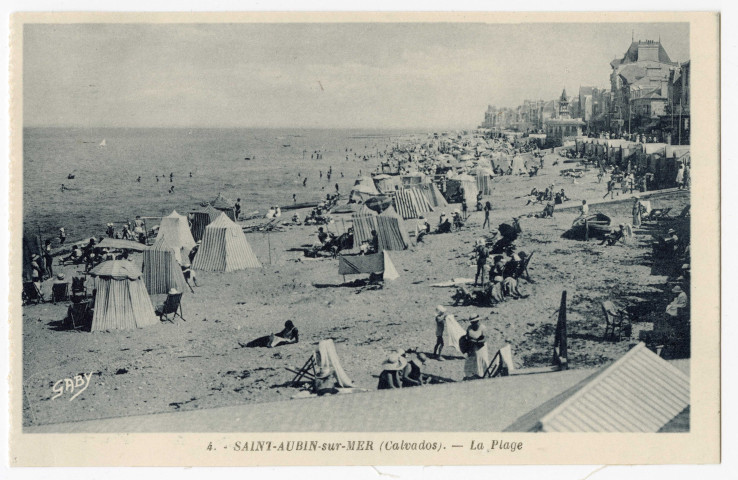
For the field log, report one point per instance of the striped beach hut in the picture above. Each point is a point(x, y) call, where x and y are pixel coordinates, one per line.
point(411, 203)
point(121, 301)
point(364, 222)
point(224, 248)
point(161, 268)
point(201, 219)
point(176, 229)
point(391, 231)
point(433, 195)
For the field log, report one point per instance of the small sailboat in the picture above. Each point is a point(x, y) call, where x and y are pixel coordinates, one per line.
point(104, 143)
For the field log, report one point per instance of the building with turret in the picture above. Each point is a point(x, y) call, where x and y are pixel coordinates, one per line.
point(563, 127)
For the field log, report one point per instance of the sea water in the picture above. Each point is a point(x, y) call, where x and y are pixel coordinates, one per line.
point(105, 187)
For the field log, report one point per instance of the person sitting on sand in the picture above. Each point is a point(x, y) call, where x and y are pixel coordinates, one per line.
point(614, 236)
point(458, 221)
point(270, 213)
point(548, 211)
point(322, 236)
point(412, 374)
point(296, 219)
point(324, 382)
point(390, 376)
point(288, 335)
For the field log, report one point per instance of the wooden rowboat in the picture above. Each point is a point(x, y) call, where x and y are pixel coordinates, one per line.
point(598, 225)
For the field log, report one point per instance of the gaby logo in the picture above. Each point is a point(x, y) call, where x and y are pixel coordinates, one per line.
point(75, 385)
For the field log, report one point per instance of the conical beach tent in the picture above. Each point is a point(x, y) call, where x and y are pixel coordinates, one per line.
point(391, 231)
point(161, 268)
point(411, 203)
point(364, 223)
point(484, 180)
point(225, 205)
point(224, 248)
point(363, 189)
point(201, 219)
point(176, 229)
point(433, 195)
point(121, 301)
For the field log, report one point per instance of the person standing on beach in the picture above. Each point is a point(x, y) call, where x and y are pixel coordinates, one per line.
point(487, 208)
point(237, 207)
point(62, 236)
point(477, 359)
point(171, 177)
point(294, 198)
point(48, 259)
point(440, 326)
point(336, 187)
point(481, 253)
point(304, 182)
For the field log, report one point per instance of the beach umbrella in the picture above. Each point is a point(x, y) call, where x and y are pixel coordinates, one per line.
point(379, 203)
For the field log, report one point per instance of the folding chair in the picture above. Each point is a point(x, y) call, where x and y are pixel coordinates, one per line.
point(615, 319)
point(307, 371)
point(59, 292)
point(79, 290)
point(31, 293)
point(79, 314)
point(172, 306)
point(524, 268)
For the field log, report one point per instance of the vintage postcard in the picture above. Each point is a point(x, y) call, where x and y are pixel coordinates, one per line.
point(364, 239)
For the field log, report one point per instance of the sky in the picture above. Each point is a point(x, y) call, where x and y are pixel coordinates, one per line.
point(391, 75)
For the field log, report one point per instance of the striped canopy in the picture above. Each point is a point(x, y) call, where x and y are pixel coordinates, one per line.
point(161, 268)
point(224, 248)
point(121, 301)
point(389, 226)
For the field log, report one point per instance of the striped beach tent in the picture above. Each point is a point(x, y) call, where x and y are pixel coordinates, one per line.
point(364, 223)
point(121, 301)
point(391, 231)
point(161, 268)
point(176, 229)
point(411, 203)
point(224, 248)
point(484, 179)
point(201, 219)
point(225, 205)
point(433, 195)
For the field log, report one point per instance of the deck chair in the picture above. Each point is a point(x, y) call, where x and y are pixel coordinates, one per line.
point(524, 268)
point(59, 292)
point(615, 319)
point(79, 290)
point(172, 306)
point(31, 293)
point(307, 372)
point(78, 314)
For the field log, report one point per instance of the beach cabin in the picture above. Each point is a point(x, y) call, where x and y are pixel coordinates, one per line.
point(121, 299)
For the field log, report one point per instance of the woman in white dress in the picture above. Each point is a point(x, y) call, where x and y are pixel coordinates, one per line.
point(477, 359)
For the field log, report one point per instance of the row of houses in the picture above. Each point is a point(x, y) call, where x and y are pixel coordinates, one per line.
point(649, 94)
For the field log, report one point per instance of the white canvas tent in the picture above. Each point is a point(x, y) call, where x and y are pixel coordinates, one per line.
point(176, 229)
point(224, 248)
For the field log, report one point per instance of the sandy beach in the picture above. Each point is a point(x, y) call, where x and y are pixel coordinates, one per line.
point(199, 363)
